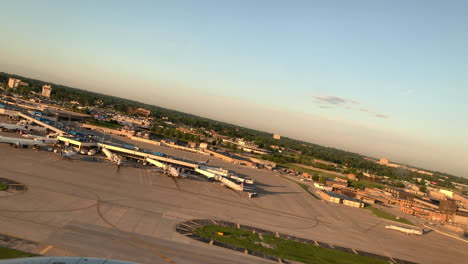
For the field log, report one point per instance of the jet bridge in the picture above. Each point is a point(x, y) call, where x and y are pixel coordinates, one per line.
point(171, 165)
point(211, 175)
point(135, 154)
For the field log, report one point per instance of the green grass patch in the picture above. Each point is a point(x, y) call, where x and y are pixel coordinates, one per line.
point(282, 248)
point(363, 184)
point(8, 253)
point(3, 186)
point(310, 171)
point(303, 186)
point(388, 216)
point(104, 124)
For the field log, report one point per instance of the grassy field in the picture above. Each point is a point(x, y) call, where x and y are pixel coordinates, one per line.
point(387, 216)
point(3, 186)
point(303, 186)
point(362, 184)
point(310, 171)
point(282, 248)
point(8, 253)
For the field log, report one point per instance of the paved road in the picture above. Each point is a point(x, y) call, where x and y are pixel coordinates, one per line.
point(92, 209)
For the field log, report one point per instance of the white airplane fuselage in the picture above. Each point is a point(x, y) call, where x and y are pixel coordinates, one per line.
point(21, 141)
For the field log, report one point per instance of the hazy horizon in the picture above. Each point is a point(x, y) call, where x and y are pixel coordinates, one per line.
point(383, 80)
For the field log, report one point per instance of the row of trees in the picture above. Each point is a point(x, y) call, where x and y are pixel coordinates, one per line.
point(169, 132)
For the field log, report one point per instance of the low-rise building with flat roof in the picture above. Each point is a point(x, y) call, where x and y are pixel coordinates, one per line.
point(461, 199)
point(323, 187)
point(447, 193)
point(339, 198)
point(399, 193)
point(13, 83)
point(334, 183)
point(401, 202)
point(448, 206)
point(437, 195)
point(46, 90)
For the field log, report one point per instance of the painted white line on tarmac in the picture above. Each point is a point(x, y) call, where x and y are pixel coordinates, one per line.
point(466, 241)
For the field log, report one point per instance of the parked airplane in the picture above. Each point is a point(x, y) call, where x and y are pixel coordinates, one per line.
point(408, 231)
point(21, 127)
point(46, 140)
point(20, 142)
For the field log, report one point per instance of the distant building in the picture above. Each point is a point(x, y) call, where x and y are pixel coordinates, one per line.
point(339, 198)
point(460, 219)
point(407, 210)
point(448, 206)
point(335, 183)
point(338, 179)
point(350, 192)
point(13, 83)
point(323, 187)
point(46, 90)
point(426, 202)
point(276, 136)
point(370, 177)
point(446, 193)
point(401, 202)
point(137, 121)
point(414, 192)
point(460, 186)
point(386, 162)
point(383, 161)
point(434, 215)
point(398, 193)
point(425, 172)
point(461, 199)
point(437, 195)
point(140, 111)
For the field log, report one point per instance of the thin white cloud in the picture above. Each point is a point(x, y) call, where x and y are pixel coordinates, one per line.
point(381, 116)
point(330, 99)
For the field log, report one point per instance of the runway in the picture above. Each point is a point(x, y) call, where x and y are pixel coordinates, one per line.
point(86, 208)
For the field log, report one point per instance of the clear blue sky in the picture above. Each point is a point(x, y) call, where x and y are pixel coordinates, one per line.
point(383, 78)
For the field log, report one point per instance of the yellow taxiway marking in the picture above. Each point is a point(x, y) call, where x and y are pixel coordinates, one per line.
point(46, 249)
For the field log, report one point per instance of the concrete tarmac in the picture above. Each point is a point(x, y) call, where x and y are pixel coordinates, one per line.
point(86, 208)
